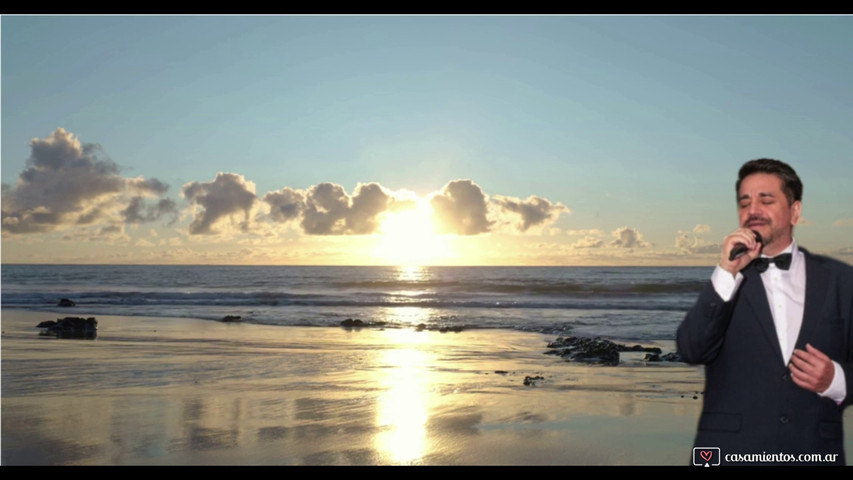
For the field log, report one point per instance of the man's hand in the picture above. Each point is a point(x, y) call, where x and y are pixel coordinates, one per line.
point(812, 369)
point(746, 237)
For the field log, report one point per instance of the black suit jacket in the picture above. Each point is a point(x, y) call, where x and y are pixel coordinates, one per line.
point(751, 404)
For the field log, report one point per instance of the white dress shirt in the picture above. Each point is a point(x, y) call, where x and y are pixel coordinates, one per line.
point(786, 295)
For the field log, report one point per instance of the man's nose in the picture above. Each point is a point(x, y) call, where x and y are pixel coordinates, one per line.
point(754, 208)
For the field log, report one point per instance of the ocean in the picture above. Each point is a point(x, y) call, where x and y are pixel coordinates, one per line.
point(628, 303)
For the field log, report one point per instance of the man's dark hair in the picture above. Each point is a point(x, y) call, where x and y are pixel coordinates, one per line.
point(791, 184)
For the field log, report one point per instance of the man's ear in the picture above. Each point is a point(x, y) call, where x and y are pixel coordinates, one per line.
point(796, 209)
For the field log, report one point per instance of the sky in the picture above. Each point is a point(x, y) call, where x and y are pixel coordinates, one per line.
point(443, 140)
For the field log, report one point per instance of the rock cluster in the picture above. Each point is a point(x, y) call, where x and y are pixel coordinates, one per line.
point(70, 327)
point(593, 350)
point(358, 323)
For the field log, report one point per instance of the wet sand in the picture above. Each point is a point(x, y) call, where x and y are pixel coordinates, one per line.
point(184, 391)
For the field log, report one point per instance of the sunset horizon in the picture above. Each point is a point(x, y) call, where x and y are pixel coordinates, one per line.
point(564, 141)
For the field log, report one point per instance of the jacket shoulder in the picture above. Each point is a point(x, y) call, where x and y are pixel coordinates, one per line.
point(840, 273)
point(829, 262)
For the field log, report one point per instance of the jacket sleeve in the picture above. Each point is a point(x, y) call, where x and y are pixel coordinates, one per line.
point(702, 331)
point(846, 299)
point(842, 283)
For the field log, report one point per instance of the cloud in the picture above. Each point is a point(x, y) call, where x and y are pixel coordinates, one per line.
point(628, 238)
point(138, 211)
point(684, 241)
point(227, 195)
point(326, 207)
point(588, 242)
point(534, 211)
point(689, 244)
point(67, 183)
point(460, 207)
point(694, 243)
point(113, 232)
point(330, 211)
point(150, 186)
point(286, 204)
point(368, 202)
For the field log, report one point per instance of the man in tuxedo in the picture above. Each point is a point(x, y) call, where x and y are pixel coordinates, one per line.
point(774, 329)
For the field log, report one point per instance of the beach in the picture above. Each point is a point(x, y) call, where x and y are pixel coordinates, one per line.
point(435, 376)
point(181, 391)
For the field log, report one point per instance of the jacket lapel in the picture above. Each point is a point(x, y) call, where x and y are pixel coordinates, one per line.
point(756, 297)
point(817, 282)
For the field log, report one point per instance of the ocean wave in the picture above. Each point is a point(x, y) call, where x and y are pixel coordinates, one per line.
point(356, 300)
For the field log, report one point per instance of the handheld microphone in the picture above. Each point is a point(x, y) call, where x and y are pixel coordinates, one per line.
point(740, 249)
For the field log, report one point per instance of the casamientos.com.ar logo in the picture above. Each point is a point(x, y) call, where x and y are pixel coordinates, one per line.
point(706, 456)
point(711, 456)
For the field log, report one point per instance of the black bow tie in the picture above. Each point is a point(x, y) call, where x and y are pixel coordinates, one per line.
point(782, 262)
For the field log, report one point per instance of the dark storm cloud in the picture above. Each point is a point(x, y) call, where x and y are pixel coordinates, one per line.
point(228, 194)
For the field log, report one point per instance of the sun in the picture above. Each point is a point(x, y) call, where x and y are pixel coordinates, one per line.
point(408, 237)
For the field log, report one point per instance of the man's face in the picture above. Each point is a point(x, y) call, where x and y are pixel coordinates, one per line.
point(763, 207)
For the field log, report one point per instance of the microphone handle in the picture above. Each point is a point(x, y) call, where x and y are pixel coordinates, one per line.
point(740, 249)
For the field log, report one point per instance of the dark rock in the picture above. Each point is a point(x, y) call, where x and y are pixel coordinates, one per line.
point(586, 350)
point(420, 327)
point(638, 348)
point(604, 352)
point(232, 318)
point(358, 323)
point(501, 372)
point(533, 381)
point(455, 329)
point(66, 303)
point(352, 323)
point(70, 327)
point(671, 357)
point(666, 357)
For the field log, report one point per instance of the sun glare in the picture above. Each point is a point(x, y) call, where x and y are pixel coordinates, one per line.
point(408, 237)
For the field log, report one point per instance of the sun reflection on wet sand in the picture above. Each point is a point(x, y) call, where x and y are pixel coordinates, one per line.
point(402, 409)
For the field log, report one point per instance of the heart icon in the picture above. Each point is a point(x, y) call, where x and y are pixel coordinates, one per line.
point(706, 455)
